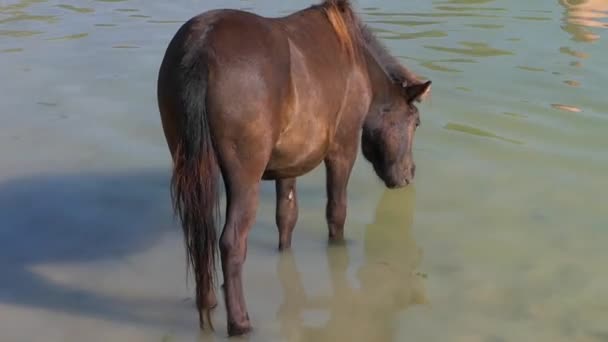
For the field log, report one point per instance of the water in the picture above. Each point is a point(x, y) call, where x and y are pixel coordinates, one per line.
point(502, 238)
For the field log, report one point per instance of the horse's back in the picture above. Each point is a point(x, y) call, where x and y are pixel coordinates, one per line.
point(271, 87)
point(275, 86)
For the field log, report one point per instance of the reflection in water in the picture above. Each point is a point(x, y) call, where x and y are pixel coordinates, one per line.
point(388, 282)
point(580, 15)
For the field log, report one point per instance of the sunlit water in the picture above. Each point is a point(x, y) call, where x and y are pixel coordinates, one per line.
point(502, 238)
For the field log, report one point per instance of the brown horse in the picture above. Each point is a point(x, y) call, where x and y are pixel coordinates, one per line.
point(250, 98)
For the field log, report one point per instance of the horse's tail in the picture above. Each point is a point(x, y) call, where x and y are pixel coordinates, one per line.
point(195, 180)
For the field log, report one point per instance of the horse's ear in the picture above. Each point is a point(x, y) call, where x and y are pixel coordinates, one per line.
point(415, 92)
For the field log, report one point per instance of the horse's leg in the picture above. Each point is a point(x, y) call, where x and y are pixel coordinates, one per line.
point(242, 168)
point(338, 165)
point(242, 205)
point(286, 211)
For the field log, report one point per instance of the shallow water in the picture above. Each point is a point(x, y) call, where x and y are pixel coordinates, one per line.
point(502, 238)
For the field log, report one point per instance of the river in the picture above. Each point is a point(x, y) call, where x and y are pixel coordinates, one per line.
point(502, 237)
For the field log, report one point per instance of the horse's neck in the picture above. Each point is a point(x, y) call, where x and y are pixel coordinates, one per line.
point(379, 82)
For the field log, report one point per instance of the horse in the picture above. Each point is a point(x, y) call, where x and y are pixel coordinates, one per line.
point(245, 98)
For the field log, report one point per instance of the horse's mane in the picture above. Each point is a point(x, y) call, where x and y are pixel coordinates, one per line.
point(354, 35)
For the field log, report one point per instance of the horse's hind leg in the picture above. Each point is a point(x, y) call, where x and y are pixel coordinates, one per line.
point(286, 211)
point(242, 206)
point(242, 177)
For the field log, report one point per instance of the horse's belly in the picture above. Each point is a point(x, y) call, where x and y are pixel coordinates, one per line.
point(297, 154)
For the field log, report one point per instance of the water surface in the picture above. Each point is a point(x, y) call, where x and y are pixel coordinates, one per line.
point(502, 238)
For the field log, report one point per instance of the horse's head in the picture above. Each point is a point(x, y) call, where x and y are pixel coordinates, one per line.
point(388, 134)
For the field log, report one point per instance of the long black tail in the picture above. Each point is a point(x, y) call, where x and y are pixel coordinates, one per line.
point(195, 181)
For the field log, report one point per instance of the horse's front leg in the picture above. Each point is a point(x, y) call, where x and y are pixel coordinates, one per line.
point(338, 168)
point(286, 211)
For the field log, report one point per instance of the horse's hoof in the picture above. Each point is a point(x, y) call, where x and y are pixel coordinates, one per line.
point(336, 241)
point(284, 248)
point(239, 329)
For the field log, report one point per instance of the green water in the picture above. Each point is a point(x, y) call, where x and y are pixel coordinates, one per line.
point(502, 237)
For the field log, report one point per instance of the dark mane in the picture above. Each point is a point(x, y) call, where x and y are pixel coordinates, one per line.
point(355, 34)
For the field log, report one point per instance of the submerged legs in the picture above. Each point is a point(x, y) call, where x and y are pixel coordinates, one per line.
point(243, 184)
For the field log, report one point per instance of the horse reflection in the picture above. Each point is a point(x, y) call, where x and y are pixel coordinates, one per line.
point(580, 15)
point(388, 281)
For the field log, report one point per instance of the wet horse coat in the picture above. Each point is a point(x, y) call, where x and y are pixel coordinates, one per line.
point(250, 98)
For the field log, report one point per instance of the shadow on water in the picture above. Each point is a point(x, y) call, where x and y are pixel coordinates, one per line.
point(78, 218)
point(89, 218)
point(388, 282)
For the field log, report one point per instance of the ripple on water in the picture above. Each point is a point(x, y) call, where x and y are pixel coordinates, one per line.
point(125, 46)
point(70, 36)
point(20, 17)
point(76, 9)
point(472, 49)
point(415, 35)
point(438, 67)
point(526, 18)
point(19, 33)
point(576, 64)
point(165, 21)
point(566, 108)
point(11, 50)
point(529, 68)
point(515, 115)
point(406, 23)
point(469, 9)
point(462, 128)
point(432, 15)
point(486, 26)
point(468, 2)
point(572, 83)
point(569, 51)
